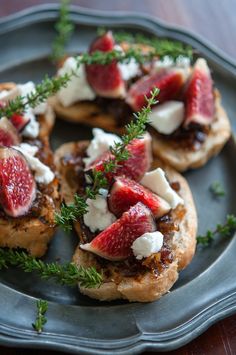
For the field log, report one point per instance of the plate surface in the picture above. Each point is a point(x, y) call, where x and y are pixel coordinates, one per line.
point(204, 293)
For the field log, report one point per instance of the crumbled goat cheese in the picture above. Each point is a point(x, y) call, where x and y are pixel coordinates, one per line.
point(99, 144)
point(147, 244)
point(98, 216)
point(78, 88)
point(43, 174)
point(156, 181)
point(167, 117)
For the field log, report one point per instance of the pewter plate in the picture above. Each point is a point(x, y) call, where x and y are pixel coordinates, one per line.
point(204, 293)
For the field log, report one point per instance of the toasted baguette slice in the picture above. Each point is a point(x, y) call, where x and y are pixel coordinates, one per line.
point(183, 159)
point(88, 113)
point(34, 231)
point(146, 287)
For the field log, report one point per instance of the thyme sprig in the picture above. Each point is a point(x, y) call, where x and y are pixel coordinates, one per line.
point(216, 189)
point(224, 230)
point(41, 320)
point(71, 213)
point(64, 28)
point(47, 87)
point(162, 47)
point(104, 58)
point(68, 274)
point(98, 179)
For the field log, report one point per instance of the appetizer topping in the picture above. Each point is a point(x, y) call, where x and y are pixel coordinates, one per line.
point(8, 95)
point(26, 120)
point(147, 244)
point(98, 216)
point(129, 70)
point(99, 144)
point(138, 162)
point(168, 62)
point(17, 185)
point(19, 121)
point(169, 82)
point(78, 88)
point(199, 98)
point(32, 128)
point(8, 134)
point(106, 80)
point(42, 173)
point(114, 243)
point(167, 117)
point(157, 182)
point(126, 193)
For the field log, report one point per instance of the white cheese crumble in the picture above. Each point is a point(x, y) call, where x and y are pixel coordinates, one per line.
point(147, 244)
point(78, 88)
point(43, 174)
point(99, 144)
point(32, 128)
point(98, 216)
point(156, 181)
point(167, 117)
point(168, 62)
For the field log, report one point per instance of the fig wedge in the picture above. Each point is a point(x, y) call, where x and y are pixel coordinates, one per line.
point(106, 80)
point(169, 81)
point(126, 193)
point(135, 166)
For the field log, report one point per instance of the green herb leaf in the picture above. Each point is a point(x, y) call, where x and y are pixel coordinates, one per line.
point(68, 274)
point(216, 189)
point(224, 230)
point(48, 87)
point(41, 320)
point(64, 28)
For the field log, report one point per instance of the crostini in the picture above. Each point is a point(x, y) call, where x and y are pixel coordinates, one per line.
point(29, 187)
point(142, 231)
point(188, 125)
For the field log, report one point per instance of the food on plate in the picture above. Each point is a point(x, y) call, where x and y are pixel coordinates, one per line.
point(188, 124)
point(29, 187)
point(140, 230)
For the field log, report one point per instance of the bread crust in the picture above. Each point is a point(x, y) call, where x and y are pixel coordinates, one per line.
point(183, 159)
point(147, 287)
point(30, 232)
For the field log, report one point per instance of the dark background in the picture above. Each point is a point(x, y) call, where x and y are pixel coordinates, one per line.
point(215, 20)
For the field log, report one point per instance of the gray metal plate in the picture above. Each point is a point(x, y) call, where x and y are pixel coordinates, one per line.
point(205, 292)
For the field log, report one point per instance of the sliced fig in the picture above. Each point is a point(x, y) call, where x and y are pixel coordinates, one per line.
point(199, 97)
point(19, 121)
point(114, 243)
point(135, 166)
point(8, 134)
point(17, 185)
point(106, 80)
point(169, 81)
point(126, 193)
